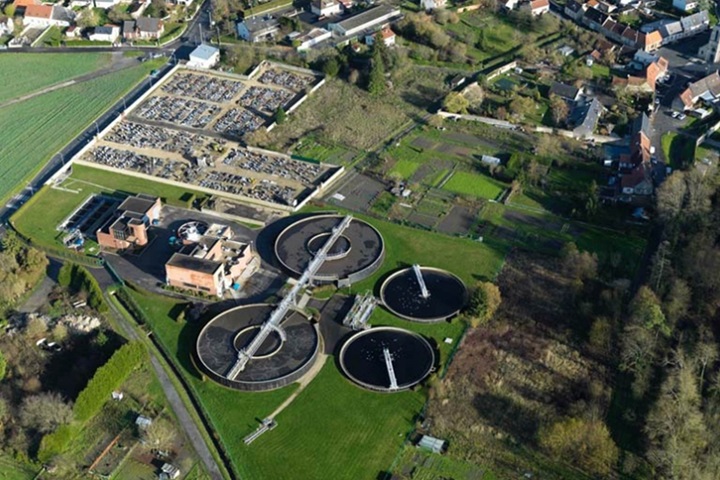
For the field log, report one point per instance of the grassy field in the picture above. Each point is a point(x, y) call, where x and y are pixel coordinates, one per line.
point(679, 150)
point(22, 73)
point(12, 470)
point(34, 130)
point(39, 218)
point(474, 185)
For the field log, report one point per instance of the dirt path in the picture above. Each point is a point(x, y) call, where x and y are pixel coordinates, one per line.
point(304, 382)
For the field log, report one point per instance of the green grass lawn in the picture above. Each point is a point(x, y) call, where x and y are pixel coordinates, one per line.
point(22, 73)
point(32, 131)
point(39, 217)
point(335, 430)
point(12, 470)
point(679, 150)
point(600, 71)
point(466, 183)
point(404, 168)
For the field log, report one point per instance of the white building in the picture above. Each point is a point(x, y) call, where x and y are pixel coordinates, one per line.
point(204, 56)
point(106, 4)
point(43, 16)
point(325, 8)
point(311, 38)
point(429, 5)
point(106, 33)
point(367, 20)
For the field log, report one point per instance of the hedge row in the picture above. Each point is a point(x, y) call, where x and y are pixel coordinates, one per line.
point(78, 278)
point(108, 378)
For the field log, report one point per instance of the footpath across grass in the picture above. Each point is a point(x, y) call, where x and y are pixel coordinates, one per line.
point(23, 73)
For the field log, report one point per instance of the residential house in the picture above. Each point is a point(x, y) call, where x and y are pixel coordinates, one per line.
point(260, 28)
point(369, 19)
point(311, 38)
point(638, 181)
point(566, 50)
point(204, 56)
point(647, 80)
point(574, 9)
point(640, 148)
point(671, 31)
point(386, 34)
point(106, 33)
point(326, 8)
point(144, 28)
point(212, 265)
point(537, 7)
point(584, 117)
point(566, 92)
point(685, 5)
point(707, 89)
point(43, 16)
point(128, 228)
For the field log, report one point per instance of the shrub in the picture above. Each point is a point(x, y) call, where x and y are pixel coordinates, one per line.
point(53, 444)
point(108, 378)
point(65, 275)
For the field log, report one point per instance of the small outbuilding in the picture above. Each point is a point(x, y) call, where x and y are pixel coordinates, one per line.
point(433, 444)
point(204, 56)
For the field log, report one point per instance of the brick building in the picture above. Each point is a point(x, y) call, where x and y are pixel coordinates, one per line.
point(128, 227)
point(212, 265)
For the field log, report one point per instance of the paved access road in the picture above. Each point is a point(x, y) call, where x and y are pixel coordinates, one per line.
point(181, 412)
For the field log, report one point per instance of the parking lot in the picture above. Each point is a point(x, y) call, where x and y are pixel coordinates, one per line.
point(147, 267)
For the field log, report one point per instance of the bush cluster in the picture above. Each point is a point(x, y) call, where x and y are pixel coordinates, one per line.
point(77, 278)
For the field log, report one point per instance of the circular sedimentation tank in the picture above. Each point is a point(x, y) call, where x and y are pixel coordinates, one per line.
point(402, 295)
point(276, 364)
point(356, 254)
point(362, 358)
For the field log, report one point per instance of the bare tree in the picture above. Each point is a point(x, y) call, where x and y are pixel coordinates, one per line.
point(160, 434)
point(45, 412)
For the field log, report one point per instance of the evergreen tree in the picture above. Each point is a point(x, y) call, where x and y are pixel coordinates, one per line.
point(376, 85)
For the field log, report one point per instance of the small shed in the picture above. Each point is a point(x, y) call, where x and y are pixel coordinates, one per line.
point(169, 471)
point(433, 444)
point(143, 422)
point(490, 161)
